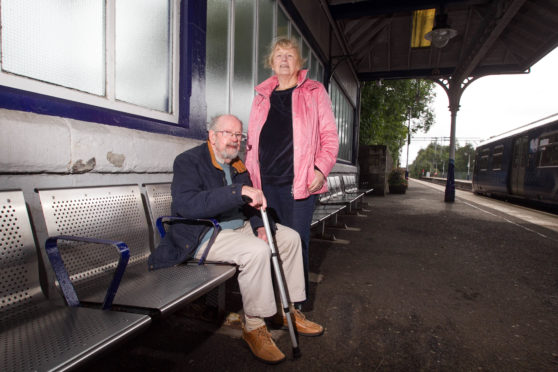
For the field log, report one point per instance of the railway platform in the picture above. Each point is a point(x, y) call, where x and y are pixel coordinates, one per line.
point(412, 284)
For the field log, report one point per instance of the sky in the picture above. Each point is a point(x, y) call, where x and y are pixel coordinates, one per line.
point(493, 105)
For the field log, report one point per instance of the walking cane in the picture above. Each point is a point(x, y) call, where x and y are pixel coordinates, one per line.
point(280, 284)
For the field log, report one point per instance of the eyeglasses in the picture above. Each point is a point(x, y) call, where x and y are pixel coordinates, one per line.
point(239, 136)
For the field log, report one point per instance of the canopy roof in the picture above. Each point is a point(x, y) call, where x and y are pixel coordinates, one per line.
point(493, 37)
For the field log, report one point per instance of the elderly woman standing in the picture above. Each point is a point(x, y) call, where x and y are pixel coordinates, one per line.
point(292, 141)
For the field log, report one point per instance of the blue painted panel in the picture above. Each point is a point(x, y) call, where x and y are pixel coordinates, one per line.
point(193, 32)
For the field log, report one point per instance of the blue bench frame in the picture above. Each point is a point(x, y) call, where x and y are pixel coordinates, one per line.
point(117, 214)
point(57, 337)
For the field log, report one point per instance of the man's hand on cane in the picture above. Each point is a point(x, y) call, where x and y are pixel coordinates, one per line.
point(254, 197)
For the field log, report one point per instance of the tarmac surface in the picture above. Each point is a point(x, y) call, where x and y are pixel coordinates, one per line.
point(413, 284)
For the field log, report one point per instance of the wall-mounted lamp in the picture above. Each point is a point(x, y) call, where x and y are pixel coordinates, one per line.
point(442, 32)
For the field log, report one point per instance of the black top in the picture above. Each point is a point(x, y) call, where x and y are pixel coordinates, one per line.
point(276, 140)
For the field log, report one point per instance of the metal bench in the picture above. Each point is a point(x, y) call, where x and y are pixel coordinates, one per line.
point(36, 333)
point(159, 200)
point(351, 180)
point(325, 211)
point(352, 191)
point(342, 194)
point(117, 213)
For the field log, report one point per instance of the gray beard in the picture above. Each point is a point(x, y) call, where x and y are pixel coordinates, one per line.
point(228, 156)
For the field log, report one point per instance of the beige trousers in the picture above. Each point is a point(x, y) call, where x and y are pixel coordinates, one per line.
point(253, 257)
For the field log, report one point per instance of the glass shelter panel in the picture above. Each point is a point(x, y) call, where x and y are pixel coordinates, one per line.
point(282, 24)
point(217, 66)
point(320, 72)
point(305, 54)
point(55, 41)
point(316, 68)
point(239, 34)
point(296, 35)
point(265, 37)
point(143, 53)
point(242, 87)
point(344, 117)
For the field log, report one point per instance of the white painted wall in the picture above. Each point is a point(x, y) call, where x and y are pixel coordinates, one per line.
point(41, 152)
point(33, 143)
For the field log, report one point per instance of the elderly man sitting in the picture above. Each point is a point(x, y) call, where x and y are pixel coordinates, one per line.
point(210, 181)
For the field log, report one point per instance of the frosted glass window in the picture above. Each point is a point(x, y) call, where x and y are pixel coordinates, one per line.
point(345, 127)
point(239, 34)
point(56, 41)
point(351, 131)
point(296, 35)
point(314, 67)
point(339, 116)
point(305, 54)
point(265, 37)
point(282, 24)
point(217, 67)
point(243, 85)
point(344, 117)
point(143, 53)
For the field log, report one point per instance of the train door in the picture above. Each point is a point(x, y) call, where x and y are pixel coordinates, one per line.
point(519, 164)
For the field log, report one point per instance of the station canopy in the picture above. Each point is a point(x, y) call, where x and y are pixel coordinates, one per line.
point(385, 38)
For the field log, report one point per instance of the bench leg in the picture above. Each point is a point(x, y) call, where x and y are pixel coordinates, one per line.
point(216, 299)
point(336, 224)
point(322, 234)
point(222, 290)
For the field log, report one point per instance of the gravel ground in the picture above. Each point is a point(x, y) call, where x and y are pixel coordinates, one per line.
point(414, 284)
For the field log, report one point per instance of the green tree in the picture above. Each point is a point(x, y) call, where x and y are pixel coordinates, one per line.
point(464, 159)
point(434, 158)
point(385, 110)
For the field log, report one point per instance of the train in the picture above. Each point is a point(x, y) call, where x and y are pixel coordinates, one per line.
point(521, 164)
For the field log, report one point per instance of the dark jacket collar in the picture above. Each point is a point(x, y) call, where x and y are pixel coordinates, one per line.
point(236, 163)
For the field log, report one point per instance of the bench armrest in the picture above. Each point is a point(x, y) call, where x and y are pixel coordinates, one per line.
point(61, 273)
point(161, 220)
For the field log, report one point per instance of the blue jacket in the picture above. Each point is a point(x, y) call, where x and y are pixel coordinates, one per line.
point(199, 190)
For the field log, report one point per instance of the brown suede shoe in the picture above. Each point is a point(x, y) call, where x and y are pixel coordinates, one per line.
point(262, 346)
point(304, 326)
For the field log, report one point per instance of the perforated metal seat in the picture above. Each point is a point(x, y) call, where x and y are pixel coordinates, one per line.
point(37, 333)
point(351, 180)
point(117, 213)
point(159, 201)
point(350, 189)
point(329, 203)
point(340, 195)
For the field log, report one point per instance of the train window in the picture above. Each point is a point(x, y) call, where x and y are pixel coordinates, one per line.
point(497, 157)
point(548, 150)
point(483, 160)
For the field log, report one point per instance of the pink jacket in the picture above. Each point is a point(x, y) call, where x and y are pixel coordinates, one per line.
point(315, 140)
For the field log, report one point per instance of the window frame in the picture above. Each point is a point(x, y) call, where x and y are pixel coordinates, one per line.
point(498, 151)
point(341, 113)
point(483, 159)
point(188, 21)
